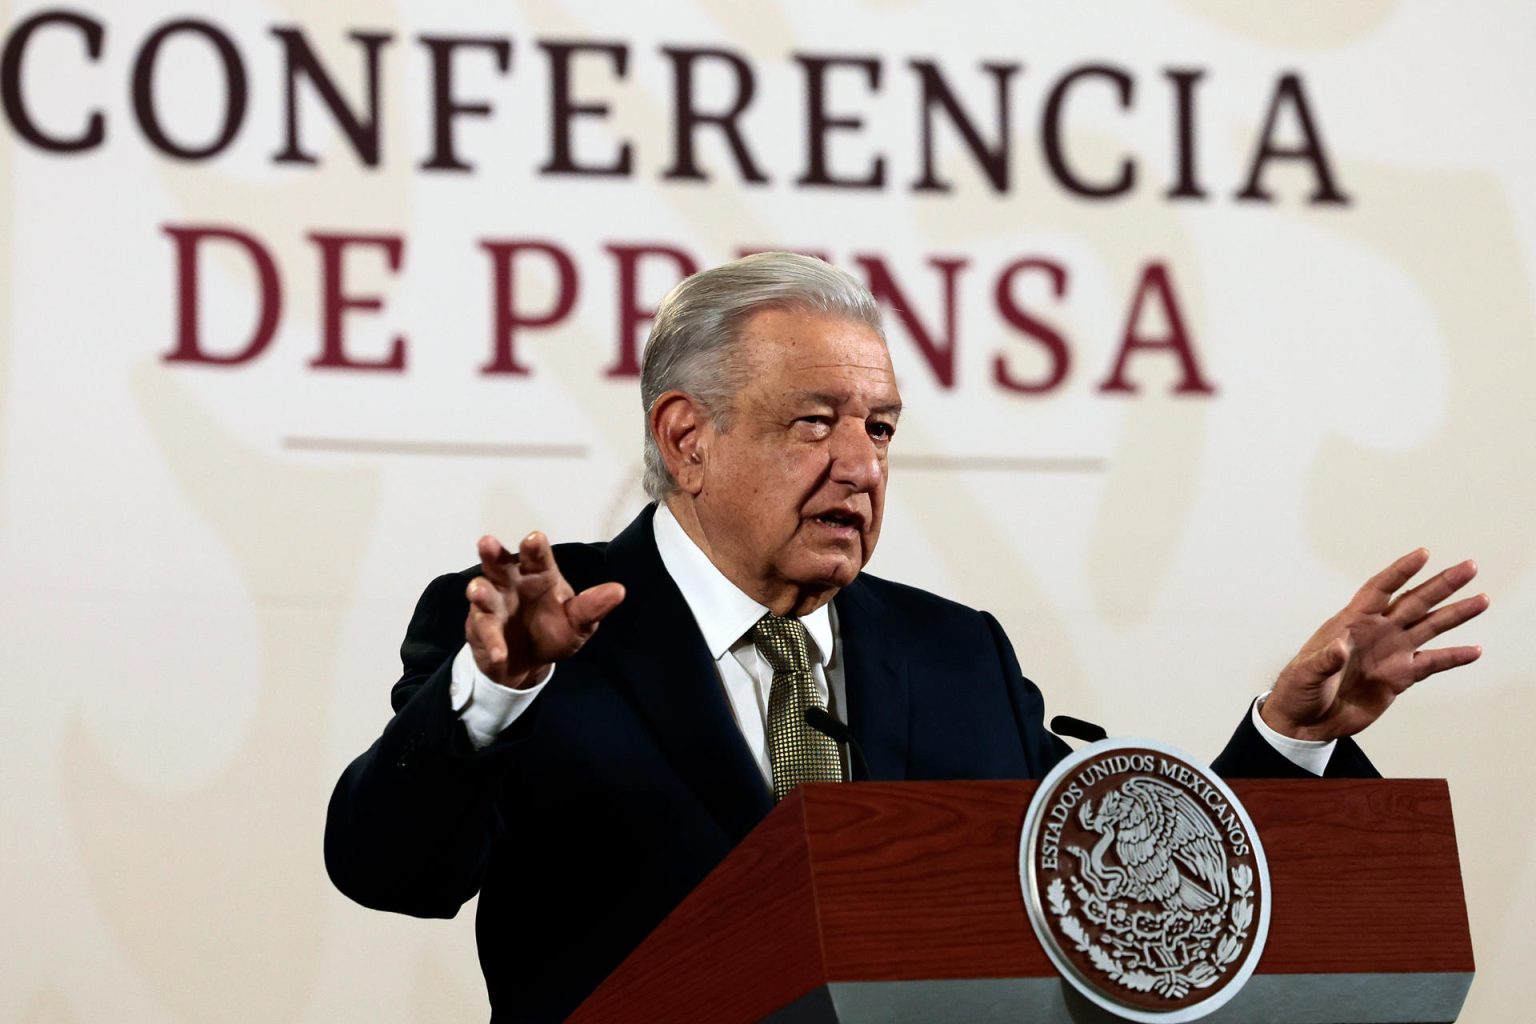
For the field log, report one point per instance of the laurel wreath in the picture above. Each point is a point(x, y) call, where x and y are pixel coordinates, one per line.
point(1176, 984)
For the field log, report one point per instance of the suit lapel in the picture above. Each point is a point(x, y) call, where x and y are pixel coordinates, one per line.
point(655, 650)
point(875, 677)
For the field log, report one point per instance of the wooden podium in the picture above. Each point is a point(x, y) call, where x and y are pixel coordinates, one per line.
point(894, 902)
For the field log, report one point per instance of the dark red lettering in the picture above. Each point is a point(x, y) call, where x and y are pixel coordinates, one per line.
point(361, 129)
point(686, 117)
point(335, 302)
point(993, 159)
point(445, 108)
point(1052, 133)
point(1155, 283)
point(1059, 356)
point(563, 110)
point(937, 349)
point(1288, 92)
point(819, 123)
point(144, 90)
point(1185, 186)
point(189, 348)
point(508, 318)
point(10, 83)
point(632, 315)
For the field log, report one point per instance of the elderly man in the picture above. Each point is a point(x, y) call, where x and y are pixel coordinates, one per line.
point(582, 780)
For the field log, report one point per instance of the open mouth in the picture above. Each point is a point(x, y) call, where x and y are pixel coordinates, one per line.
point(840, 520)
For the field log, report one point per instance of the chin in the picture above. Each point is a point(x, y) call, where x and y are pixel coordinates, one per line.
point(840, 574)
point(827, 565)
point(845, 577)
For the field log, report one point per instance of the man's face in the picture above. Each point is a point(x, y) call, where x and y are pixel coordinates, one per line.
point(793, 492)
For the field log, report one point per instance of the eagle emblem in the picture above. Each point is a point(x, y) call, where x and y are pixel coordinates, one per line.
point(1141, 872)
point(1168, 852)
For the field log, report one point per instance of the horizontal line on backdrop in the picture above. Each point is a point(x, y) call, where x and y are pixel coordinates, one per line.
point(1001, 463)
point(473, 449)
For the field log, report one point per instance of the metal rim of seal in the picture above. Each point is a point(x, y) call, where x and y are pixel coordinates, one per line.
point(1092, 988)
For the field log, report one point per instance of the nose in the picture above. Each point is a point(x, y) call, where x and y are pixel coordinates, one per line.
point(856, 459)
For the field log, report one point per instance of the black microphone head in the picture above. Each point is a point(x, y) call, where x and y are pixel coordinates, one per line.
point(1066, 725)
point(836, 730)
point(825, 723)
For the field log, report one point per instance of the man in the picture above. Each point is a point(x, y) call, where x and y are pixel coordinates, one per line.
point(583, 780)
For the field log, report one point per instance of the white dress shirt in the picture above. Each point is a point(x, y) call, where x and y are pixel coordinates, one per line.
point(725, 616)
point(1312, 755)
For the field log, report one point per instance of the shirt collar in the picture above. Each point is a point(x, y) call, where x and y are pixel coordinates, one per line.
point(724, 613)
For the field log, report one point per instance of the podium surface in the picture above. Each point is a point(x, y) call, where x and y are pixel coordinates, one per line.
point(899, 902)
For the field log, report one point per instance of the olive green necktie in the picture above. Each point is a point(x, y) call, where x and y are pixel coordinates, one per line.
point(797, 752)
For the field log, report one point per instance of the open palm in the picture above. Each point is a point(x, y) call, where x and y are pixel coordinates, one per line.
point(1361, 659)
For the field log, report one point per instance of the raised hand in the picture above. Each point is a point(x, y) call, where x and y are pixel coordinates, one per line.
point(1359, 661)
point(524, 616)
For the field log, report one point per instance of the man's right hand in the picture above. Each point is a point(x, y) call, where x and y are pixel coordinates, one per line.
point(524, 616)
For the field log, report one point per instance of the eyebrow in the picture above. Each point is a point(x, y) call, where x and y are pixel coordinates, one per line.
point(837, 398)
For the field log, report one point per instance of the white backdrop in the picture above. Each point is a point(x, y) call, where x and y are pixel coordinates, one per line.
point(205, 569)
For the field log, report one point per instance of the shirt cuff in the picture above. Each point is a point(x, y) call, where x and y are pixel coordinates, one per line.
point(486, 708)
point(1311, 755)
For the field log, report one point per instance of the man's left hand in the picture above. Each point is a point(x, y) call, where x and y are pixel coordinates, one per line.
point(1359, 661)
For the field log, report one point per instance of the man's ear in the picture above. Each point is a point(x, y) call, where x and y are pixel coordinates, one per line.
point(682, 428)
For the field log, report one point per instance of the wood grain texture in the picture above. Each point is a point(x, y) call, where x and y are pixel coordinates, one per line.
point(890, 881)
point(743, 944)
point(1365, 875)
point(921, 880)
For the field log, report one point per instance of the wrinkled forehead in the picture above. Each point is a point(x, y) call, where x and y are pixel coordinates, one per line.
point(806, 339)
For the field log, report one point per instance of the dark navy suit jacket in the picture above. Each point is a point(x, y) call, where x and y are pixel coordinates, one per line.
point(627, 780)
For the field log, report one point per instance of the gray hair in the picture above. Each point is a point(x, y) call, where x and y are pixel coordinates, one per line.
point(693, 338)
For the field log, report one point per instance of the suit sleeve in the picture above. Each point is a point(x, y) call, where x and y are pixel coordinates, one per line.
point(413, 820)
point(1248, 755)
point(1042, 748)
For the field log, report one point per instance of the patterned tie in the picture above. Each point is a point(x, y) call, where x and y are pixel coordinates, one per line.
point(797, 752)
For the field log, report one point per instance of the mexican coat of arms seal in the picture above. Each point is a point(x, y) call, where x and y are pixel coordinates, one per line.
point(1145, 881)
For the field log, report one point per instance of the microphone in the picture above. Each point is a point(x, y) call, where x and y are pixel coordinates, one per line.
point(838, 732)
point(1066, 725)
